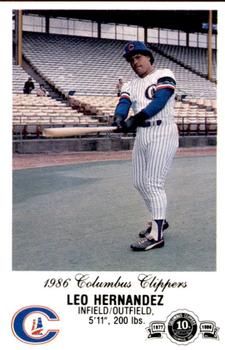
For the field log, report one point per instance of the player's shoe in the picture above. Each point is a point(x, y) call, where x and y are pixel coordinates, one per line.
point(147, 244)
point(143, 233)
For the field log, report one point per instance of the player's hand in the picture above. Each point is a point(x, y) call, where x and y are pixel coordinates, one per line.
point(119, 123)
point(134, 121)
point(140, 118)
point(131, 124)
point(125, 126)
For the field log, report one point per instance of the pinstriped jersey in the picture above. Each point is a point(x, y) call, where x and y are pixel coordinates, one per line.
point(140, 91)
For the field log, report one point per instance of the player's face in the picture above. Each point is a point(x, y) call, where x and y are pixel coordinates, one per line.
point(141, 65)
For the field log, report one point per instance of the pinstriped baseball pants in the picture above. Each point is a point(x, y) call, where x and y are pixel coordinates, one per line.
point(153, 152)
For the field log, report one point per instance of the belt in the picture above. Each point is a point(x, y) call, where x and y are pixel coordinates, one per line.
point(151, 123)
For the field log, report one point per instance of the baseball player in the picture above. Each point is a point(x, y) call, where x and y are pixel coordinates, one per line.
point(151, 96)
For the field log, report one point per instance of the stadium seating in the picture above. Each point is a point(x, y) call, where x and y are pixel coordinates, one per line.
point(19, 78)
point(196, 117)
point(193, 116)
point(31, 114)
point(91, 67)
point(95, 105)
point(191, 57)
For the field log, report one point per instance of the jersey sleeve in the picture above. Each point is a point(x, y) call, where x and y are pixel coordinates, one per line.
point(158, 103)
point(126, 91)
point(124, 104)
point(166, 80)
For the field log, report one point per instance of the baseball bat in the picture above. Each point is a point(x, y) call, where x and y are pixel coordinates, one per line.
point(75, 131)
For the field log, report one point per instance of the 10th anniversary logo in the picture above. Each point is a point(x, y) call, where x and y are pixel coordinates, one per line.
point(183, 327)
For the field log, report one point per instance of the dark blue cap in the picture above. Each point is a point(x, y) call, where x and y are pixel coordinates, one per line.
point(134, 47)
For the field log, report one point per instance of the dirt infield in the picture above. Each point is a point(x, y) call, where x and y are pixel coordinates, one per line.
point(25, 161)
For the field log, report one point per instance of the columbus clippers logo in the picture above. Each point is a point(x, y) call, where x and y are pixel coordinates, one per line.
point(150, 91)
point(33, 324)
point(130, 47)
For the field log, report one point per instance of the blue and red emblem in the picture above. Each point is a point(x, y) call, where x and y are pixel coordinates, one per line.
point(32, 324)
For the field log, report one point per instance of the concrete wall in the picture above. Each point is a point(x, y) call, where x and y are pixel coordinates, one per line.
point(97, 144)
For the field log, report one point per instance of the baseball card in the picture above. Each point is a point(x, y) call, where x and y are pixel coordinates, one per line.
point(112, 173)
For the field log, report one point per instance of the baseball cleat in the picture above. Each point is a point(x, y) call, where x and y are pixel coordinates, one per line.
point(143, 233)
point(147, 244)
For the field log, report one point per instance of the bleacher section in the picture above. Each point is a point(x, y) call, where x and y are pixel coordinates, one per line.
point(193, 116)
point(191, 57)
point(197, 116)
point(91, 67)
point(86, 65)
point(19, 78)
point(31, 114)
point(102, 106)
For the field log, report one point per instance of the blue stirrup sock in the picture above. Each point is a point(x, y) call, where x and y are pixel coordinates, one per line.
point(160, 226)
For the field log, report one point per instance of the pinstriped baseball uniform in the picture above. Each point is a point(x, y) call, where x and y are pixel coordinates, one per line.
point(155, 146)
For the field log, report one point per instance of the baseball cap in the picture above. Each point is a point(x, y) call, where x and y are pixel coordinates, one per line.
point(134, 47)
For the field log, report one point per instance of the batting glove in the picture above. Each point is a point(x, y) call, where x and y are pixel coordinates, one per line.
point(134, 121)
point(140, 118)
point(119, 123)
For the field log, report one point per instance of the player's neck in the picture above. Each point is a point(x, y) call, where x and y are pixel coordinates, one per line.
point(148, 72)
